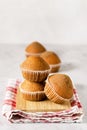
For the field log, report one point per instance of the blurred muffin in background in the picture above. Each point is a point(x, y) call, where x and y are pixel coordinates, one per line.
point(34, 48)
point(52, 59)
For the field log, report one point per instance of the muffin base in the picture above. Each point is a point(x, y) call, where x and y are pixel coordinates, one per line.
point(35, 76)
point(32, 96)
point(54, 68)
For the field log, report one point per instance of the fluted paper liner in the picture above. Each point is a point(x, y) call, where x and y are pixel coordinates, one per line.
point(32, 96)
point(32, 54)
point(54, 67)
point(35, 76)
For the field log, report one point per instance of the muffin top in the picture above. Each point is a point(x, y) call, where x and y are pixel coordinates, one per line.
point(62, 85)
point(32, 86)
point(35, 47)
point(51, 57)
point(35, 63)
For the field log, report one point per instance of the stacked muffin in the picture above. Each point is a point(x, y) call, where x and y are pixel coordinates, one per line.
point(36, 68)
point(35, 71)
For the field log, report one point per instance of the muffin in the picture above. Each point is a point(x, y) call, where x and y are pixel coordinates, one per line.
point(59, 88)
point(32, 91)
point(35, 69)
point(52, 59)
point(35, 48)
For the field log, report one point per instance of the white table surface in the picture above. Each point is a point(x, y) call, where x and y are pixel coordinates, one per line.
point(74, 56)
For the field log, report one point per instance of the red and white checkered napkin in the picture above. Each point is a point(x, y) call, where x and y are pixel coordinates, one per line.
point(74, 114)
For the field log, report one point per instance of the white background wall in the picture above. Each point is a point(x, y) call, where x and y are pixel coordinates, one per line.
point(48, 21)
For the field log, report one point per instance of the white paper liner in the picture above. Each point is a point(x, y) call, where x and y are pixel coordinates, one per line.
point(28, 92)
point(35, 71)
point(32, 96)
point(35, 75)
point(56, 94)
point(32, 54)
point(54, 65)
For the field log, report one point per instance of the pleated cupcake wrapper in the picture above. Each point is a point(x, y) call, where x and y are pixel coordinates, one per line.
point(63, 64)
point(55, 65)
point(32, 54)
point(34, 96)
point(53, 93)
point(28, 92)
point(74, 114)
point(35, 71)
point(33, 75)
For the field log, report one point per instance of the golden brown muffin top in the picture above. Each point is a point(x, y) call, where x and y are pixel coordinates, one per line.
point(32, 86)
point(62, 85)
point(51, 57)
point(35, 47)
point(35, 63)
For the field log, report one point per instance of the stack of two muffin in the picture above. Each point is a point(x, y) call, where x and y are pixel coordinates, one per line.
point(35, 71)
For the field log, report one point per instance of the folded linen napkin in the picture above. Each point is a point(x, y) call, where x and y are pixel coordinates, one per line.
point(74, 114)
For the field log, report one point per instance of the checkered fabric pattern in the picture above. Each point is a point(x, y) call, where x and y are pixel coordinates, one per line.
point(74, 114)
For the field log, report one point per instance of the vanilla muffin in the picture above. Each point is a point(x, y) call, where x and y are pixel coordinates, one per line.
point(34, 48)
point(35, 69)
point(52, 59)
point(32, 91)
point(59, 88)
